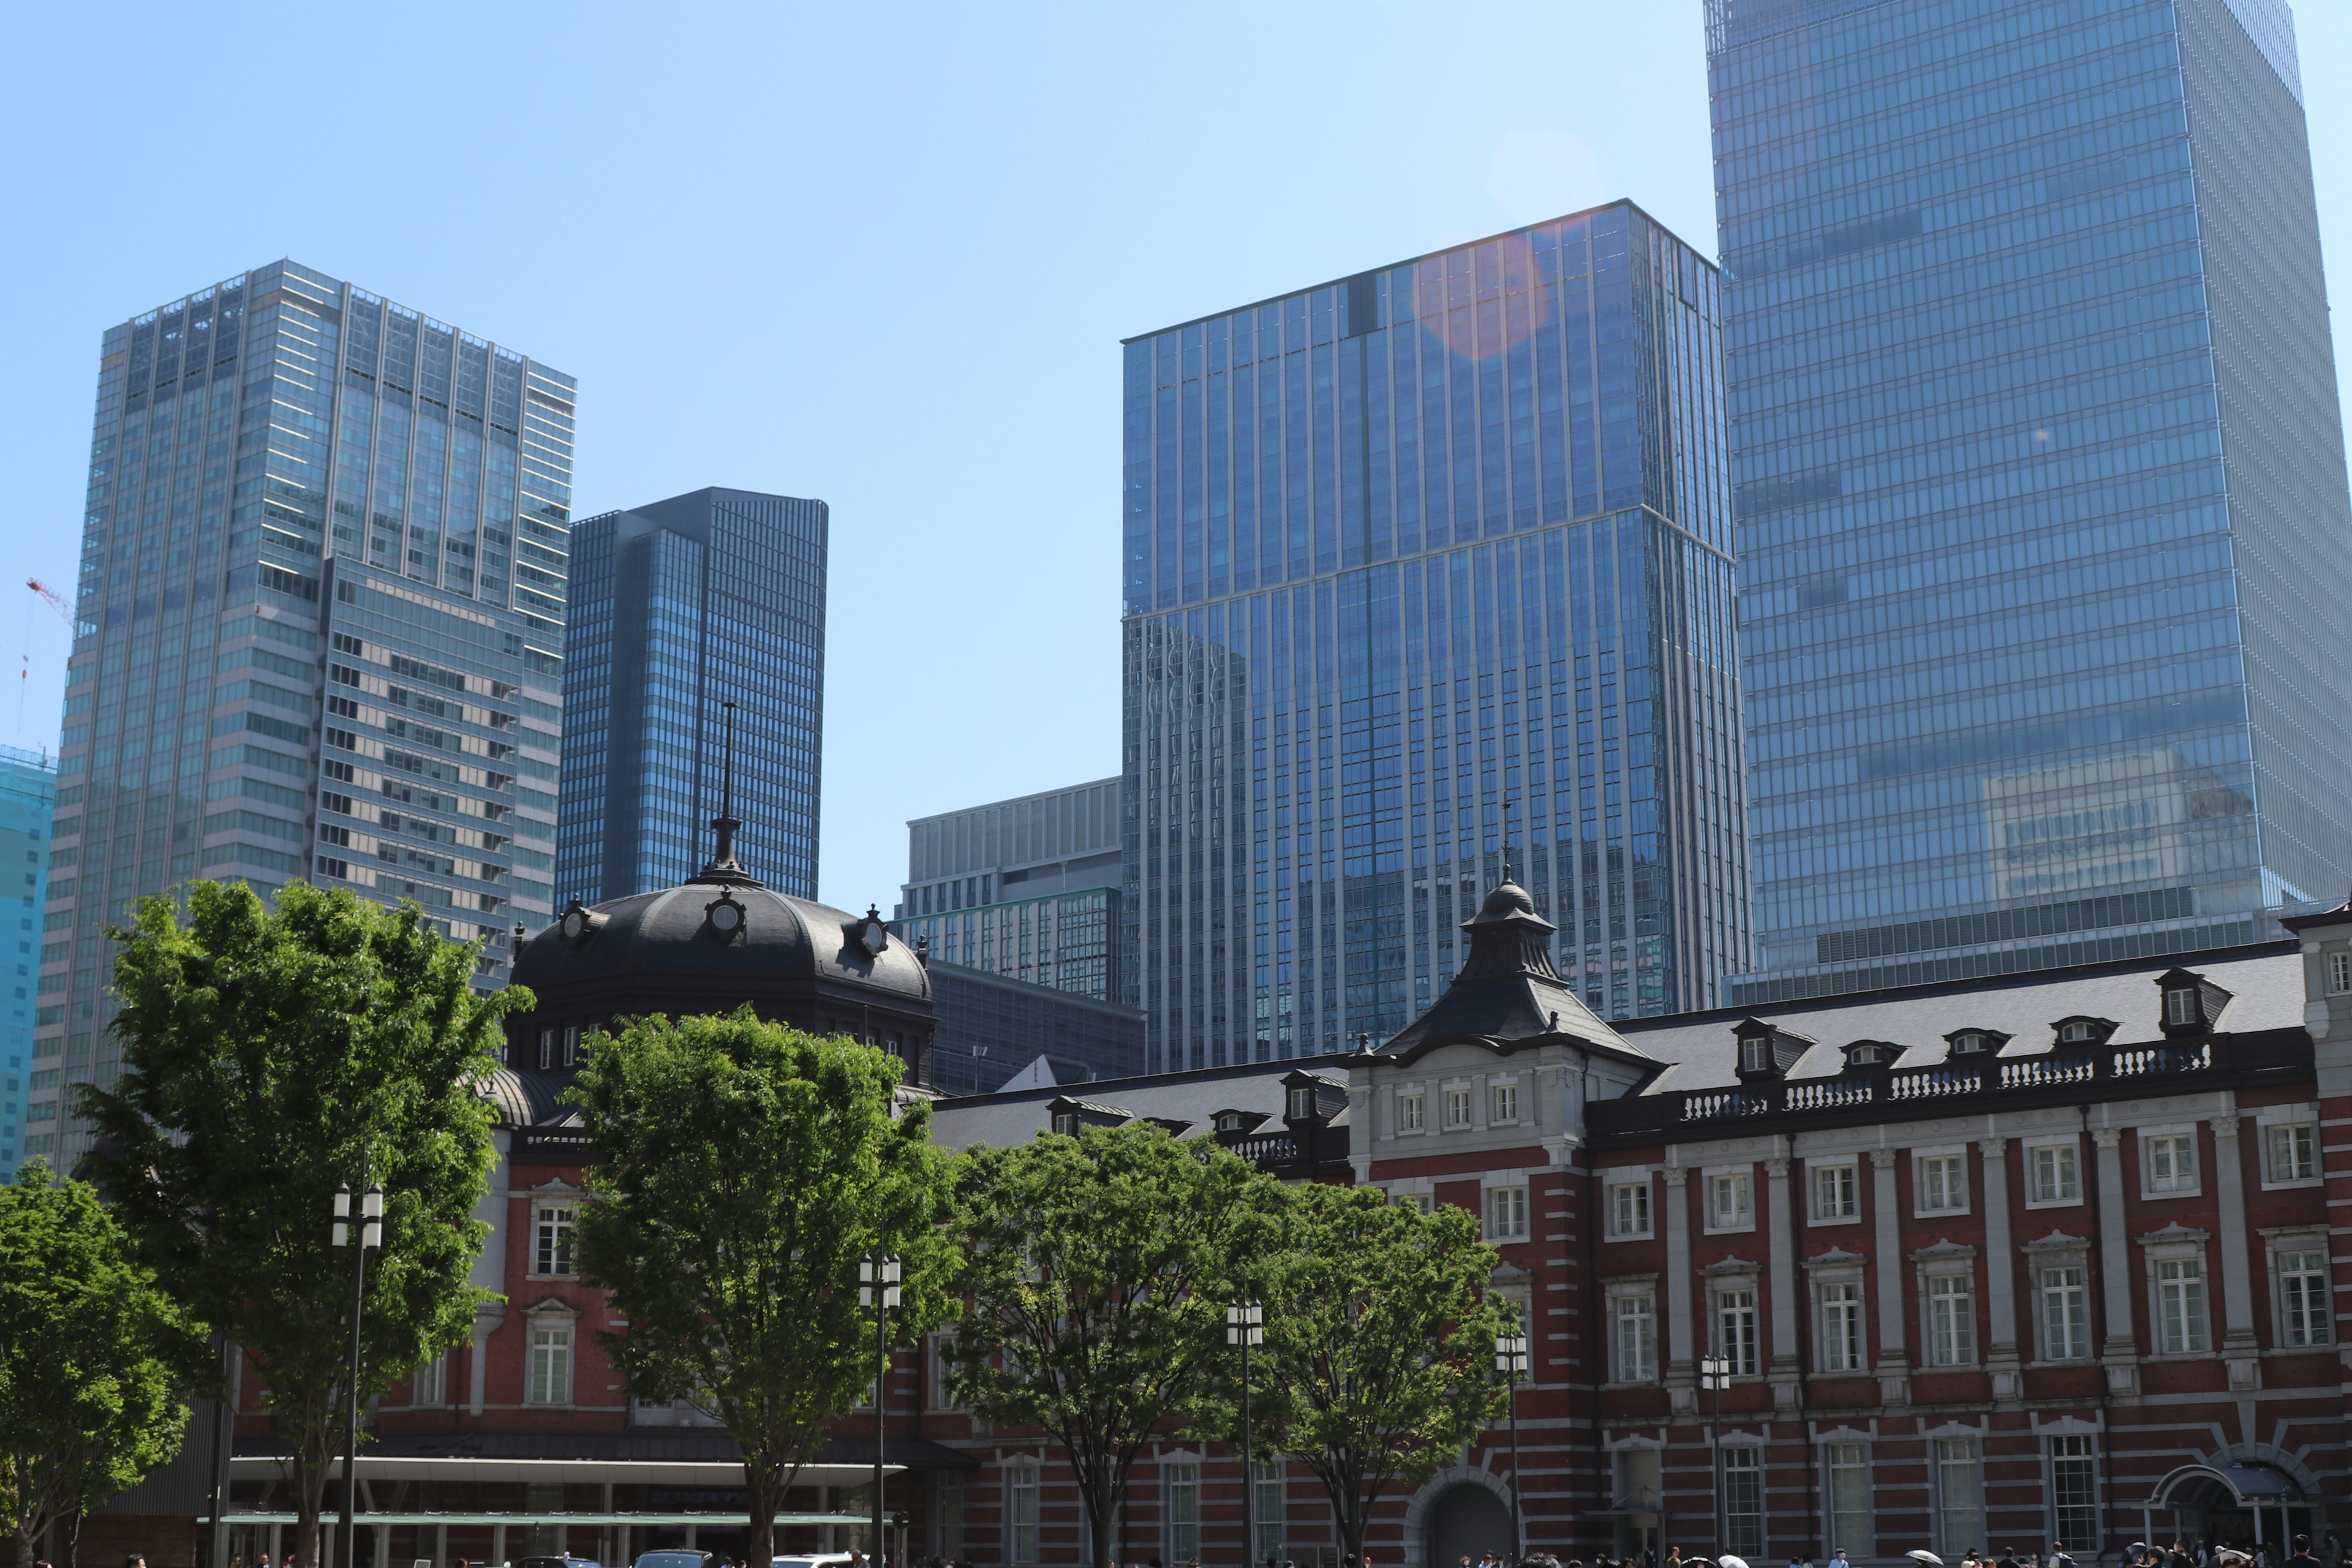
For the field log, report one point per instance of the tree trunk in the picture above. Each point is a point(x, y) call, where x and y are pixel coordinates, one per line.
point(73, 1539)
point(760, 1490)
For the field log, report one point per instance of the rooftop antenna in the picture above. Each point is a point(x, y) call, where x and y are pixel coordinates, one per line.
point(1506, 839)
point(724, 867)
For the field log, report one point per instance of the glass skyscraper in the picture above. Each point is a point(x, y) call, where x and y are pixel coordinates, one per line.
point(2043, 530)
point(1418, 563)
point(28, 794)
point(710, 598)
point(319, 629)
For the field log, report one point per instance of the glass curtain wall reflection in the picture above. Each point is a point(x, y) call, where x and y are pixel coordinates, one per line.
point(2040, 492)
point(1420, 565)
point(709, 597)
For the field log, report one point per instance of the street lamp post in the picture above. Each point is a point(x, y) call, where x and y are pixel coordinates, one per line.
point(878, 1274)
point(370, 1217)
point(1511, 1360)
point(1245, 1326)
point(1715, 1377)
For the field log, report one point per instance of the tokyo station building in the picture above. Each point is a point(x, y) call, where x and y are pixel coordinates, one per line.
point(1982, 1264)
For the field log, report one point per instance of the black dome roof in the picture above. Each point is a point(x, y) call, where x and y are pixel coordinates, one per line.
point(662, 939)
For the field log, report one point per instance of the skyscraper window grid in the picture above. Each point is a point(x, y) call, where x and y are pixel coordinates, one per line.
point(1406, 554)
point(2041, 502)
point(321, 600)
point(28, 793)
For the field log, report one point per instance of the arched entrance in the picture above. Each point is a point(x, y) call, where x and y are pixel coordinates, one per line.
point(2227, 1505)
point(1468, 1520)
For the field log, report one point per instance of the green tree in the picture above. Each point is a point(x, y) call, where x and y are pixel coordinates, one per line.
point(92, 1357)
point(1380, 1343)
point(270, 1055)
point(742, 1170)
point(1097, 1270)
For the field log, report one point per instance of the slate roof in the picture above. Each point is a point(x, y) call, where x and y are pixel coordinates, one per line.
point(2265, 980)
point(1507, 990)
point(1014, 1116)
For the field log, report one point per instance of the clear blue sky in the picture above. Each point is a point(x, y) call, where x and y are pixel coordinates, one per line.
point(878, 254)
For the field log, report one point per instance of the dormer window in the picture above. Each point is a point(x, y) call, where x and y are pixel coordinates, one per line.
point(1864, 1054)
point(2180, 1005)
point(2081, 1032)
point(1755, 1054)
point(1302, 1103)
point(1967, 1043)
point(1065, 1122)
point(1229, 1121)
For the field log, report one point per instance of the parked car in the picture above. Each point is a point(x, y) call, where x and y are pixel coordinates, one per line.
point(674, 1557)
point(812, 1560)
point(566, 1561)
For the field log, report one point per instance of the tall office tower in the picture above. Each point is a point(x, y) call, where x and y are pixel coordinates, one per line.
point(28, 796)
point(706, 599)
point(2043, 533)
point(321, 627)
point(1027, 888)
point(1412, 557)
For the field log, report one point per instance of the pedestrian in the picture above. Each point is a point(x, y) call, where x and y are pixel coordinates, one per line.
point(1837, 1558)
point(2058, 1557)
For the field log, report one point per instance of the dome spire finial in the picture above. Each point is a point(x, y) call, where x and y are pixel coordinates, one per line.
point(723, 866)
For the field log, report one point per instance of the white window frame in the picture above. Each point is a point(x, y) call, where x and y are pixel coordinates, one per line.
point(2339, 972)
point(1271, 1515)
point(2041, 1264)
point(428, 1386)
point(2304, 1130)
point(2061, 1448)
point(1022, 1492)
point(2166, 1261)
point(551, 1364)
point(2280, 1245)
point(1458, 1106)
point(1845, 1174)
point(1851, 1303)
point(1506, 1211)
point(1638, 1193)
point(562, 1216)
point(1957, 1458)
point(2176, 1138)
point(1947, 1313)
point(1180, 1504)
point(1503, 1103)
point(1721, 1304)
point(1741, 1180)
point(1835, 1450)
point(1413, 1108)
point(2066, 1154)
point(1952, 1168)
point(1634, 1331)
point(1742, 1532)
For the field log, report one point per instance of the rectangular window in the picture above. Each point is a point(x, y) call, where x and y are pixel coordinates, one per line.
point(2172, 1162)
point(1951, 1321)
point(546, 1050)
point(2056, 1180)
point(1943, 1184)
point(1637, 1339)
point(2065, 1313)
point(2074, 1491)
point(2292, 1149)
point(1959, 1496)
point(2339, 972)
point(429, 1385)
point(2303, 1296)
point(2180, 1306)
point(1734, 1207)
point(1183, 1484)
point(1743, 1499)
point(1841, 1327)
point(551, 1363)
point(1271, 1508)
point(1458, 1108)
point(1629, 1209)
point(1837, 1194)
point(1852, 1516)
point(1735, 1330)
point(1503, 1104)
point(1408, 1113)
point(1021, 1511)
point(552, 1253)
point(1506, 1213)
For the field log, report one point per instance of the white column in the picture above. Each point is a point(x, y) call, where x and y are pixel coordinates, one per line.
point(2121, 1349)
point(1894, 1365)
point(477, 1363)
point(2242, 1352)
point(2001, 1359)
point(1680, 1392)
point(1785, 1368)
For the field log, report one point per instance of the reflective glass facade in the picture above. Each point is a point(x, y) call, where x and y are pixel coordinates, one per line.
point(322, 604)
point(28, 794)
point(2040, 481)
point(1408, 556)
point(710, 598)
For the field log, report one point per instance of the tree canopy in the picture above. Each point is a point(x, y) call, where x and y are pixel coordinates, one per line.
point(1378, 1343)
point(742, 1171)
point(93, 1356)
point(1097, 1270)
point(269, 1055)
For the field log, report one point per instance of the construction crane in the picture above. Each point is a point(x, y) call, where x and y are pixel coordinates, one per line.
point(58, 601)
